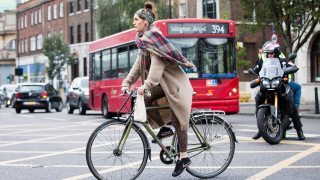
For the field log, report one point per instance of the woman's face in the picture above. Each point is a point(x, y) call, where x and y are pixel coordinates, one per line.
point(139, 23)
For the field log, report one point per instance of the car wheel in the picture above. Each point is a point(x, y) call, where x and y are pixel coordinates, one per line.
point(69, 108)
point(82, 111)
point(31, 110)
point(60, 108)
point(105, 109)
point(48, 109)
point(18, 110)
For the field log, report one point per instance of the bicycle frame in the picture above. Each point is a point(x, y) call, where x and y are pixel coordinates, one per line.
point(169, 153)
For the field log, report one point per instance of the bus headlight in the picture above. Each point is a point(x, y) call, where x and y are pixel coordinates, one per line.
point(275, 84)
point(265, 84)
point(234, 90)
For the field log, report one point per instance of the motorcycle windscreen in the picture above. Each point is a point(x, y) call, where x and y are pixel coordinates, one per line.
point(271, 68)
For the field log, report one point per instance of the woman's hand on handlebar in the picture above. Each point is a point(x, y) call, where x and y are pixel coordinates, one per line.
point(140, 91)
point(123, 89)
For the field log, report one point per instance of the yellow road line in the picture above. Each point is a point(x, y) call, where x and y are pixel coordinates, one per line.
point(283, 164)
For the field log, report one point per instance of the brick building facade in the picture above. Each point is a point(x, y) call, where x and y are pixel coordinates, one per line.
point(81, 30)
point(36, 20)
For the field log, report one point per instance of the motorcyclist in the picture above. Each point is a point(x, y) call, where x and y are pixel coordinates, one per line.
point(272, 50)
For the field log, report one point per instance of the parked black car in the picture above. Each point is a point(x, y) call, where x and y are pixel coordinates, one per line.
point(2, 98)
point(33, 96)
point(78, 95)
point(8, 90)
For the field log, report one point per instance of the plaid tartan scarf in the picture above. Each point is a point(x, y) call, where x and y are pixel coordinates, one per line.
point(153, 41)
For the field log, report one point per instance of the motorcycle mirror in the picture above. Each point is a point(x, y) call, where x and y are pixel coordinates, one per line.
point(292, 56)
point(251, 71)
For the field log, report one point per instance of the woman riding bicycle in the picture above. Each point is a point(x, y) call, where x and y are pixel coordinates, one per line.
point(158, 64)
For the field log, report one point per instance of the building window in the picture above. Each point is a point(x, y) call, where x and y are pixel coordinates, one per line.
point(61, 33)
point(12, 45)
point(87, 32)
point(61, 9)
point(79, 5)
point(49, 13)
point(25, 45)
point(71, 7)
point(85, 67)
point(71, 35)
point(315, 60)
point(25, 20)
point(22, 47)
point(18, 23)
point(32, 43)
point(31, 18)
point(209, 9)
point(35, 17)
point(39, 41)
point(21, 22)
point(18, 46)
point(49, 34)
point(79, 33)
point(86, 5)
point(54, 11)
point(39, 16)
point(182, 10)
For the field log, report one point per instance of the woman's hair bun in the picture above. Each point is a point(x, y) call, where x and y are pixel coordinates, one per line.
point(148, 5)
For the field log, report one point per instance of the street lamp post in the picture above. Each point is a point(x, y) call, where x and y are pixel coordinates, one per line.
point(170, 17)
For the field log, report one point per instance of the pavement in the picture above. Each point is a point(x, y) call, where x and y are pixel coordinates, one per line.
point(307, 110)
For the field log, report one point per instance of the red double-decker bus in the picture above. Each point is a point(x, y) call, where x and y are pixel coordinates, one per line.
point(209, 43)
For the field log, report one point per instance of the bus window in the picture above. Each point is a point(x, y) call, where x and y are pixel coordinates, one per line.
point(217, 57)
point(188, 47)
point(133, 54)
point(106, 64)
point(114, 63)
point(96, 67)
point(91, 67)
point(123, 62)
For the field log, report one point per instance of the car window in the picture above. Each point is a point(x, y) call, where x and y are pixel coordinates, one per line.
point(85, 83)
point(74, 83)
point(52, 89)
point(30, 88)
point(49, 89)
point(10, 89)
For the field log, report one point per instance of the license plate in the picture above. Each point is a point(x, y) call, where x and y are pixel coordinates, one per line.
point(30, 103)
point(207, 109)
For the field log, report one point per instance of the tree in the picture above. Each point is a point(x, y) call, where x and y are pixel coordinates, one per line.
point(58, 55)
point(37, 68)
point(116, 16)
point(294, 20)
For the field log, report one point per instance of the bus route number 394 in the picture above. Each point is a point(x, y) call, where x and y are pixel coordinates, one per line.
point(217, 29)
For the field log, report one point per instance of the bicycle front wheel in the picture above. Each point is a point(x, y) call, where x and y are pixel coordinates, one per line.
point(106, 161)
point(213, 160)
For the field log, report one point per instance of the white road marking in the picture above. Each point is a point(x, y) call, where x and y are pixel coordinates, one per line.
point(289, 134)
point(5, 114)
point(26, 116)
point(55, 119)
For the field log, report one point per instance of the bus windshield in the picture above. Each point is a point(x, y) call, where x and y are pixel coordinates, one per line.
point(212, 56)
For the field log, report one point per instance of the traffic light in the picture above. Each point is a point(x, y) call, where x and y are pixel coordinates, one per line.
point(8, 78)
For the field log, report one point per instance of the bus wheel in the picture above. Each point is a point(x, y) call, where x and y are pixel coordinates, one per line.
point(104, 108)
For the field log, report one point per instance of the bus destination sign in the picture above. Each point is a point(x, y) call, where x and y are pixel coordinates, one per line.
point(198, 28)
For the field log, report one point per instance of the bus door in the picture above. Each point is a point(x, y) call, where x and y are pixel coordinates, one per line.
point(95, 78)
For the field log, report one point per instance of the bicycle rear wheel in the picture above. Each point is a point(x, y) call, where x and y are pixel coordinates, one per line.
point(212, 161)
point(105, 161)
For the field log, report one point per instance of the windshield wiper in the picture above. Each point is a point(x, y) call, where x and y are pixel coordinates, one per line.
point(212, 71)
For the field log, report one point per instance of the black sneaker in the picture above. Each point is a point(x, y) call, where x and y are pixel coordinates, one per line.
point(163, 133)
point(180, 166)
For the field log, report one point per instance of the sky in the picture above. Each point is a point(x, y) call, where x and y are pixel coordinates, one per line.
point(7, 5)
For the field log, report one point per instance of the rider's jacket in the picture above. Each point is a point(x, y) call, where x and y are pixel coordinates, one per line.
point(281, 58)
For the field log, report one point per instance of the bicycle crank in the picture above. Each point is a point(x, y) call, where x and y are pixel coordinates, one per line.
point(164, 158)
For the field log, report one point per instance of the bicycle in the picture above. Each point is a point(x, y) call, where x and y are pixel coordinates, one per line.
point(119, 148)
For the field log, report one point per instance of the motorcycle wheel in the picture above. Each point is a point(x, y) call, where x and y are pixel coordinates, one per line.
point(270, 133)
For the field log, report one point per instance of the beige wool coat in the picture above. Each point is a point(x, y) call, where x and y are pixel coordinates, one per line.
point(174, 83)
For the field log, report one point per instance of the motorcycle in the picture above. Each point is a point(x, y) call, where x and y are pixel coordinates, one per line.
point(275, 97)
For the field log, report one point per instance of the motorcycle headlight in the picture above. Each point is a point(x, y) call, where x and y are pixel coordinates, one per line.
point(86, 93)
point(266, 84)
point(275, 84)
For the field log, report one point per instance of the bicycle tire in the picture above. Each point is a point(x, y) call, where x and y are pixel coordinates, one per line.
point(213, 161)
point(101, 156)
